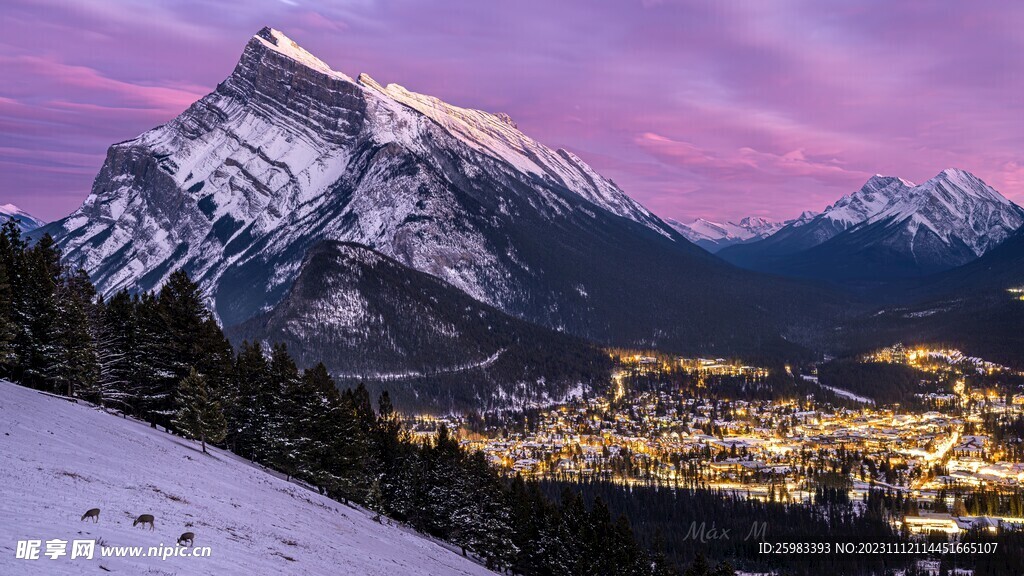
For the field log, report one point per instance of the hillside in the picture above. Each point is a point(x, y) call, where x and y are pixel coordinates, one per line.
point(370, 319)
point(59, 459)
point(969, 307)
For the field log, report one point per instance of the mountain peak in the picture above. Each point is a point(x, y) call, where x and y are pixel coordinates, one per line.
point(713, 236)
point(895, 228)
point(882, 180)
point(877, 193)
point(955, 181)
point(278, 42)
point(26, 221)
point(956, 173)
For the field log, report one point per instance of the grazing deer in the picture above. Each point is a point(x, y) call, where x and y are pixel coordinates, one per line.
point(94, 514)
point(144, 519)
point(186, 537)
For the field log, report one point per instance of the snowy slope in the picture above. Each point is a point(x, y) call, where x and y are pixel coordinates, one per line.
point(59, 459)
point(26, 221)
point(371, 320)
point(714, 236)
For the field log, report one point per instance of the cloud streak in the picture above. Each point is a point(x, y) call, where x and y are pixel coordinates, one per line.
point(694, 108)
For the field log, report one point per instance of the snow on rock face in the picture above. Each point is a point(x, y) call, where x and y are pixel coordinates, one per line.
point(498, 136)
point(26, 221)
point(714, 236)
point(877, 193)
point(956, 206)
point(286, 152)
point(59, 459)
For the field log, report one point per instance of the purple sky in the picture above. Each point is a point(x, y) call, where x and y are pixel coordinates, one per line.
point(717, 109)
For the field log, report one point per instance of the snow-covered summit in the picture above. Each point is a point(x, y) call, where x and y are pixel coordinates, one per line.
point(892, 227)
point(955, 206)
point(288, 151)
point(714, 236)
point(498, 136)
point(277, 41)
point(26, 221)
point(877, 193)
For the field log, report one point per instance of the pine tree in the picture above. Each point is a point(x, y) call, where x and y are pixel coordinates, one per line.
point(248, 417)
point(444, 494)
point(155, 377)
point(724, 568)
point(41, 315)
point(348, 448)
point(283, 403)
point(390, 454)
point(699, 567)
point(117, 354)
point(313, 403)
point(199, 416)
point(74, 335)
point(15, 260)
point(8, 326)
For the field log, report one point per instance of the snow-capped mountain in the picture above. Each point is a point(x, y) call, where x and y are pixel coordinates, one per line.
point(26, 222)
point(713, 236)
point(811, 229)
point(287, 152)
point(890, 228)
point(958, 209)
point(59, 459)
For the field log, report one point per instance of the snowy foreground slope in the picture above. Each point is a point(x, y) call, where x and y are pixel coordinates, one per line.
point(59, 459)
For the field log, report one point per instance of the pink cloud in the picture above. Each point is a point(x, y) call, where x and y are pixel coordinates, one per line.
point(86, 82)
point(714, 109)
point(744, 162)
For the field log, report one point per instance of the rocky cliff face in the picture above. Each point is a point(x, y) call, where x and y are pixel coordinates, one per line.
point(287, 152)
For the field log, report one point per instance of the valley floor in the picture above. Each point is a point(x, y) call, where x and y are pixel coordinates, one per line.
point(59, 459)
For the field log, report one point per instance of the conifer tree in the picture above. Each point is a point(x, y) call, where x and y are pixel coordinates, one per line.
point(117, 354)
point(156, 372)
point(7, 311)
point(313, 404)
point(199, 416)
point(41, 315)
point(282, 403)
point(248, 416)
point(74, 335)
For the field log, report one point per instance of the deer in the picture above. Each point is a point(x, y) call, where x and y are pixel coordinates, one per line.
point(144, 519)
point(186, 537)
point(94, 514)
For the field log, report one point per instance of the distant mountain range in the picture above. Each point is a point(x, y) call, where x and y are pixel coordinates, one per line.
point(287, 153)
point(26, 222)
point(713, 236)
point(889, 229)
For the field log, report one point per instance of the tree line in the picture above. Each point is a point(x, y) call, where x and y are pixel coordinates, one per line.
point(163, 358)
